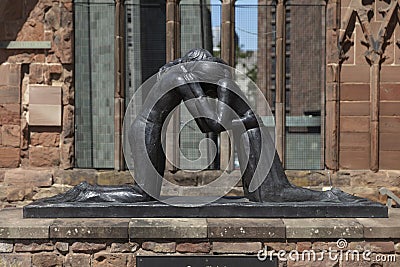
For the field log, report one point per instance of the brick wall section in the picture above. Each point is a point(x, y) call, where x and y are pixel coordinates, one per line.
point(355, 99)
point(38, 20)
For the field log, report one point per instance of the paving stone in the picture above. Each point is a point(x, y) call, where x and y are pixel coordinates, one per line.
point(90, 228)
point(236, 247)
point(245, 228)
point(323, 228)
point(164, 247)
point(74, 260)
point(165, 228)
point(202, 247)
point(12, 226)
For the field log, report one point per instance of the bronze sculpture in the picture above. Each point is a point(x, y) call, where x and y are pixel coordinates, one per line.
point(230, 113)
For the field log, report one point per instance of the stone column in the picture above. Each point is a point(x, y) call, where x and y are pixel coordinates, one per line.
point(332, 86)
point(119, 95)
point(228, 55)
point(280, 106)
point(173, 50)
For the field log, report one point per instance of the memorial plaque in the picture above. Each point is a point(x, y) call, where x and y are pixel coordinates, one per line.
point(204, 261)
point(25, 44)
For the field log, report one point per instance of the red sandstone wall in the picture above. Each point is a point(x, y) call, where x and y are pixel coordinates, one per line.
point(22, 145)
point(355, 78)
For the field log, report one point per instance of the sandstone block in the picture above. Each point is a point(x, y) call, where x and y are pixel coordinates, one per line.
point(169, 247)
point(236, 247)
point(33, 247)
point(109, 259)
point(44, 156)
point(62, 246)
point(49, 139)
point(6, 247)
point(9, 157)
point(202, 247)
point(85, 247)
point(11, 135)
point(124, 247)
point(74, 177)
point(10, 114)
point(47, 260)
point(27, 178)
point(81, 260)
point(20, 260)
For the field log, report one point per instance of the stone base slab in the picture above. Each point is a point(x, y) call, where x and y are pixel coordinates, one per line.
point(223, 208)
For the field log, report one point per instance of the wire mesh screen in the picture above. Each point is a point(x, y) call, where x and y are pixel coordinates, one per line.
point(145, 39)
point(94, 84)
point(254, 54)
point(200, 24)
point(305, 46)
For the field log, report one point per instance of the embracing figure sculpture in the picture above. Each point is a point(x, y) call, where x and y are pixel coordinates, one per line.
point(231, 112)
point(263, 177)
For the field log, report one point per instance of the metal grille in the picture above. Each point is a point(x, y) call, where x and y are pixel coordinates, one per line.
point(94, 84)
point(198, 30)
point(305, 34)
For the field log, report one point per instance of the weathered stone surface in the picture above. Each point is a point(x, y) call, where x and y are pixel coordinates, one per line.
point(47, 260)
point(93, 228)
point(25, 178)
point(44, 156)
point(52, 18)
point(376, 246)
point(50, 139)
point(62, 44)
point(280, 246)
point(85, 247)
point(17, 260)
point(75, 177)
point(62, 246)
point(326, 262)
point(381, 227)
point(67, 153)
point(36, 73)
point(12, 226)
point(124, 247)
point(2, 175)
point(11, 135)
point(322, 228)
point(81, 260)
point(10, 114)
point(301, 246)
point(6, 247)
point(9, 157)
point(68, 122)
point(109, 259)
point(245, 228)
point(168, 228)
point(51, 191)
point(33, 247)
point(236, 247)
point(397, 248)
point(19, 193)
point(114, 178)
point(202, 247)
point(167, 247)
